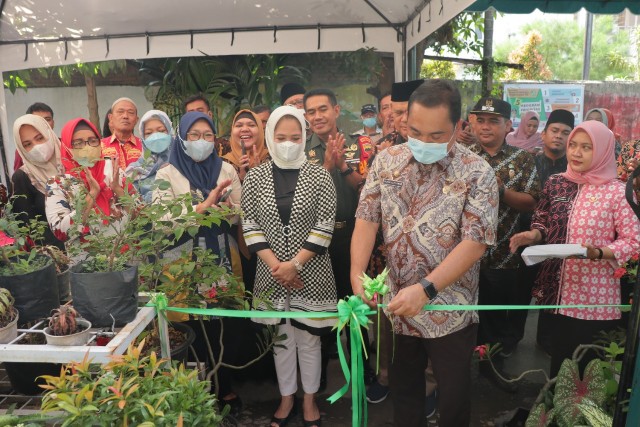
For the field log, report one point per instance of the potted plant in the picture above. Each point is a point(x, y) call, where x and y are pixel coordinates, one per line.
point(29, 276)
point(62, 264)
point(8, 317)
point(65, 328)
point(133, 389)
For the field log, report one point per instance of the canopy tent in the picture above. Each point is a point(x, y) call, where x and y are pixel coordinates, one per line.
point(557, 6)
point(41, 33)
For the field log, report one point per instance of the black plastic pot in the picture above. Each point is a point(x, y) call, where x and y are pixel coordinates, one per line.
point(98, 296)
point(36, 293)
point(181, 352)
point(516, 418)
point(24, 376)
point(64, 287)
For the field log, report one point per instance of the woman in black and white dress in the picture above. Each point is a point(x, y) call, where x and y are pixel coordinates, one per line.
point(289, 213)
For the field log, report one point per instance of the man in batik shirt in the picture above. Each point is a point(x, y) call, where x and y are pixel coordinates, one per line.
point(437, 203)
point(501, 271)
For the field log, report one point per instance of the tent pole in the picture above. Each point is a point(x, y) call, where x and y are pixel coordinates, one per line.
point(588, 35)
point(630, 372)
point(404, 54)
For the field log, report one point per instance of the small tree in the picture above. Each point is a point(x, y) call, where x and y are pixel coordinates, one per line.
point(437, 70)
point(535, 66)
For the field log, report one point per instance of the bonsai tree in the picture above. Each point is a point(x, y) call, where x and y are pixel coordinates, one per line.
point(8, 312)
point(63, 321)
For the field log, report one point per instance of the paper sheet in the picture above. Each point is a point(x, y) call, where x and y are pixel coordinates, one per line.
point(536, 254)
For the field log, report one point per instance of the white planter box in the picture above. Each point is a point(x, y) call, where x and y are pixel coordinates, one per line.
point(55, 354)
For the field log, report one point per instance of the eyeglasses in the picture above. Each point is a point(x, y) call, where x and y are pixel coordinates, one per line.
point(195, 135)
point(296, 103)
point(79, 143)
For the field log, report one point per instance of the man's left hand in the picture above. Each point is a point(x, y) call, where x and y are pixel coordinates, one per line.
point(409, 301)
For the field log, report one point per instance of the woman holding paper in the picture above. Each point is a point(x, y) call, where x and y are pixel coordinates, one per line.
point(585, 205)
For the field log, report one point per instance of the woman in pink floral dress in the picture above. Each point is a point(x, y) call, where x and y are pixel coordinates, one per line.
point(585, 205)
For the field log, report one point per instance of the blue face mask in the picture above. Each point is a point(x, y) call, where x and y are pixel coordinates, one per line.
point(157, 142)
point(428, 152)
point(198, 150)
point(369, 122)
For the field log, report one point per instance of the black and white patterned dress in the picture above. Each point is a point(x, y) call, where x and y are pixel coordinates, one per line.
point(310, 227)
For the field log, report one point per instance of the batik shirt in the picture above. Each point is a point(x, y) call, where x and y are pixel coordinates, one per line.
point(425, 212)
point(517, 170)
point(127, 151)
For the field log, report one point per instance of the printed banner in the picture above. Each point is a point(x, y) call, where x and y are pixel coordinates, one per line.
point(543, 99)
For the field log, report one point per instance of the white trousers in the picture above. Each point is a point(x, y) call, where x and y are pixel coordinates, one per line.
point(301, 348)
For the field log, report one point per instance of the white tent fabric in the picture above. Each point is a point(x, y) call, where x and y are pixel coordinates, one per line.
point(42, 33)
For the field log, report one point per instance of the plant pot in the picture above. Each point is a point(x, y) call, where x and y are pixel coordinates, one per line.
point(24, 376)
point(181, 352)
point(79, 338)
point(64, 287)
point(9, 332)
point(98, 296)
point(35, 293)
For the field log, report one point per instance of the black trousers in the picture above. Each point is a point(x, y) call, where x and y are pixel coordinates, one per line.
point(503, 287)
point(451, 359)
point(340, 254)
point(567, 333)
point(231, 340)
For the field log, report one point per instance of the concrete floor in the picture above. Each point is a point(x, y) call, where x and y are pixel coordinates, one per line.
point(260, 399)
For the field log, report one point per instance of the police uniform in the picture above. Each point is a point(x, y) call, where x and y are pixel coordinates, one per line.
point(347, 202)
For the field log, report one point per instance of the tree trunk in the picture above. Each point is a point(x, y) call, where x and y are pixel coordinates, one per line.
point(487, 53)
point(92, 100)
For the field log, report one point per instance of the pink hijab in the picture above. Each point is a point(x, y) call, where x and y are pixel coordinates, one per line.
point(518, 138)
point(603, 164)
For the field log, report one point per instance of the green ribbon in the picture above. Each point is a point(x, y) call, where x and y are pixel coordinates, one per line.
point(353, 312)
point(372, 289)
point(161, 304)
point(375, 287)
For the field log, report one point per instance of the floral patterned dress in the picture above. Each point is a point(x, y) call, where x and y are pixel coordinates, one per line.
point(593, 214)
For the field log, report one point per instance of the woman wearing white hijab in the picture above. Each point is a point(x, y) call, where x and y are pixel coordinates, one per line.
point(39, 148)
point(156, 134)
point(289, 214)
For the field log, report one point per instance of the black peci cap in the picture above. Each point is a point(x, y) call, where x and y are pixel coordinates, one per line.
point(401, 92)
point(491, 105)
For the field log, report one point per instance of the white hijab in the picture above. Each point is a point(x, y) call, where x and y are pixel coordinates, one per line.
point(274, 118)
point(39, 173)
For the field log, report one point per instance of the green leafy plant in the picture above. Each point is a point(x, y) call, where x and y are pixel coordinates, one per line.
point(8, 312)
point(63, 321)
point(571, 390)
point(132, 389)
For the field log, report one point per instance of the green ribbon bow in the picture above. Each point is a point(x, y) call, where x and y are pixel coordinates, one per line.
point(353, 312)
point(161, 303)
point(375, 287)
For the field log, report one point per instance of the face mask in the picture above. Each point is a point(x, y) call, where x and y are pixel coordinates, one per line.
point(86, 156)
point(157, 142)
point(198, 150)
point(428, 153)
point(41, 153)
point(289, 151)
point(369, 122)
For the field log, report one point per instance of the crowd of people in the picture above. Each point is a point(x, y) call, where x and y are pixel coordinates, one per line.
point(445, 204)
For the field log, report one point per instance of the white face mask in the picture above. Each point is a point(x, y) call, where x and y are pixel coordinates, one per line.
point(41, 153)
point(289, 151)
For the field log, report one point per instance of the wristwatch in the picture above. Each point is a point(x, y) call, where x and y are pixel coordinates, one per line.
point(297, 265)
point(429, 289)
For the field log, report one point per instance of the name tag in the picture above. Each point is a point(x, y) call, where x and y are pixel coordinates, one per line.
point(397, 184)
